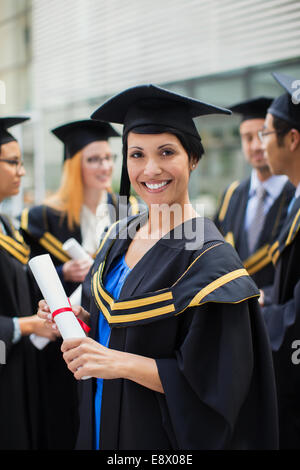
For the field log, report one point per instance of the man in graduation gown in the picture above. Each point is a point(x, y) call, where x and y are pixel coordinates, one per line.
point(281, 139)
point(252, 211)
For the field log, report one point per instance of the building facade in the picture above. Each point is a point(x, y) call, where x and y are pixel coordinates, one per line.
point(79, 52)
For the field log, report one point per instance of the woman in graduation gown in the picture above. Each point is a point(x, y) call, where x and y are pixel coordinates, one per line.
point(177, 350)
point(19, 392)
point(82, 208)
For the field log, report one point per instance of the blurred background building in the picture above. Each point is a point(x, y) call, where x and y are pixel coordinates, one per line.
point(59, 60)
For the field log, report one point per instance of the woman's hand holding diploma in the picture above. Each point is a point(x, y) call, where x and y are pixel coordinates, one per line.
point(77, 268)
point(45, 314)
point(86, 357)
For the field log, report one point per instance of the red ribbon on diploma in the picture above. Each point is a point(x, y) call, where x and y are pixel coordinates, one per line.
point(61, 310)
point(83, 325)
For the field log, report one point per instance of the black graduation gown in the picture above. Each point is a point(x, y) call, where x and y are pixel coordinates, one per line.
point(19, 393)
point(45, 230)
point(196, 313)
point(283, 323)
point(230, 219)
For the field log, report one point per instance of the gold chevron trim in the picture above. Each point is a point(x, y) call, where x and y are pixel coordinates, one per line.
point(47, 242)
point(290, 235)
point(22, 257)
point(221, 281)
point(134, 205)
point(24, 219)
point(226, 201)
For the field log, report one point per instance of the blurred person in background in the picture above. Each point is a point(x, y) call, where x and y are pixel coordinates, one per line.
point(19, 390)
point(82, 208)
point(251, 212)
point(281, 141)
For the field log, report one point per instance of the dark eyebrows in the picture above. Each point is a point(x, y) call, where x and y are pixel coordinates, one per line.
point(165, 145)
point(160, 147)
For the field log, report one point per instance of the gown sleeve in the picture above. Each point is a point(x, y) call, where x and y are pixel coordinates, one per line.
point(9, 298)
point(279, 317)
point(213, 382)
point(6, 330)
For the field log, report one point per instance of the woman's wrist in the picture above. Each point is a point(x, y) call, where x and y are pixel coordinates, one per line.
point(142, 370)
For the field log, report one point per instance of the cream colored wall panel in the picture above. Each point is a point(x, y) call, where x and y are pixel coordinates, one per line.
point(88, 48)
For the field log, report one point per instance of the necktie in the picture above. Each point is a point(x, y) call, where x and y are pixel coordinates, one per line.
point(290, 206)
point(258, 220)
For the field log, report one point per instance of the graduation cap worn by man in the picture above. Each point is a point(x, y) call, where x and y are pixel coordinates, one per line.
point(150, 105)
point(76, 135)
point(7, 123)
point(255, 108)
point(287, 106)
point(252, 211)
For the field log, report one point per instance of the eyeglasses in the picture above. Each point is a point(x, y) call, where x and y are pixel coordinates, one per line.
point(262, 134)
point(18, 164)
point(99, 161)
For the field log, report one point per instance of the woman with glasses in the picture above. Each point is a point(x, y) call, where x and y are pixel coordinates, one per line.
point(82, 208)
point(19, 392)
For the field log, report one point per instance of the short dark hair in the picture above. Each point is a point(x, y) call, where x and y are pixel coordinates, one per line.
point(191, 144)
point(282, 128)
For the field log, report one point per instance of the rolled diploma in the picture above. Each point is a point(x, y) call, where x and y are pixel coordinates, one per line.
point(51, 287)
point(75, 297)
point(75, 250)
point(39, 341)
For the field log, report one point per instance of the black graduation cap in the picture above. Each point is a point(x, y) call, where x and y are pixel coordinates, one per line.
point(287, 106)
point(256, 108)
point(76, 135)
point(6, 123)
point(151, 105)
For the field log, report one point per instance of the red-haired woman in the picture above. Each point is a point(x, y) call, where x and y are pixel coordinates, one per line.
point(82, 208)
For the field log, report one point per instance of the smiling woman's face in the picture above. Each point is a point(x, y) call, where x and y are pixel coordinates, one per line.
point(11, 171)
point(158, 168)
